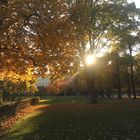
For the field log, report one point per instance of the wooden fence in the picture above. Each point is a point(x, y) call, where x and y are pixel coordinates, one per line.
point(20, 105)
point(7, 111)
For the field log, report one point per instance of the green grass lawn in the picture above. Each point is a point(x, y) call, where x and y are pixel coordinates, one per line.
point(69, 118)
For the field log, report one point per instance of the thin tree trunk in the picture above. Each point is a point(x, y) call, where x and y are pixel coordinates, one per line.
point(132, 73)
point(118, 78)
point(1, 98)
point(119, 88)
point(128, 85)
point(132, 81)
point(128, 81)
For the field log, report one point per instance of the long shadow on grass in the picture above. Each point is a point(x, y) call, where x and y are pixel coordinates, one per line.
point(78, 122)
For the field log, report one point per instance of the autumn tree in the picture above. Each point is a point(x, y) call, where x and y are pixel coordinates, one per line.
point(39, 34)
point(12, 82)
point(36, 35)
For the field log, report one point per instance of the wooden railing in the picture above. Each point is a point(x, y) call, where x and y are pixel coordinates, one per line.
point(20, 105)
point(7, 111)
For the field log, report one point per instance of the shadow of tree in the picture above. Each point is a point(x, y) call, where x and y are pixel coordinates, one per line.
point(77, 122)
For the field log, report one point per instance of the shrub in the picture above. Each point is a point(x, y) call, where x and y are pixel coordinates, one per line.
point(35, 100)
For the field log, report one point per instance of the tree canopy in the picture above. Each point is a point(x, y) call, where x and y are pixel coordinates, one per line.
point(51, 36)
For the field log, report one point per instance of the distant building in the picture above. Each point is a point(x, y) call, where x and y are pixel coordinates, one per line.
point(42, 82)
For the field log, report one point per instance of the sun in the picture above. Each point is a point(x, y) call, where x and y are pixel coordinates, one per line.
point(90, 59)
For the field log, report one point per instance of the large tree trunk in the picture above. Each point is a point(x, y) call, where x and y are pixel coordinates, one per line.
point(119, 87)
point(132, 73)
point(90, 79)
point(92, 92)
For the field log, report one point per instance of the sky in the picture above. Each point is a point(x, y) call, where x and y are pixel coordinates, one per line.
point(137, 2)
point(102, 51)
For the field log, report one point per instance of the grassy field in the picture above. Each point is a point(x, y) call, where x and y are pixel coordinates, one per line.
point(70, 118)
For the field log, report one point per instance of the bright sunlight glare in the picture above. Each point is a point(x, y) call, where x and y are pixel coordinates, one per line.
point(90, 59)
